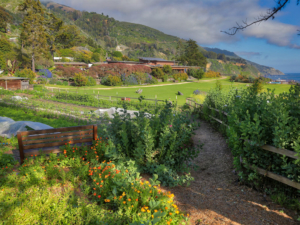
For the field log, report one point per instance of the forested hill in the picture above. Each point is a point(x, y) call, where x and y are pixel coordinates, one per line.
point(133, 39)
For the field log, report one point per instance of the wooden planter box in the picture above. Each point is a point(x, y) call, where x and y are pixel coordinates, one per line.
point(125, 99)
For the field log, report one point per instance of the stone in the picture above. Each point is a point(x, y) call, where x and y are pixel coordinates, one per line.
point(179, 93)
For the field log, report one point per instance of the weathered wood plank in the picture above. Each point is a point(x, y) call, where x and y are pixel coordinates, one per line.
point(220, 121)
point(21, 150)
point(31, 152)
point(67, 138)
point(281, 151)
point(95, 132)
point(59, 135)
point(54, 144)
point(26, 133)
point(276, 177)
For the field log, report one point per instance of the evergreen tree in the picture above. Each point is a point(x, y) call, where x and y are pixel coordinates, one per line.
point(5, 18)
point(34, 34)
point(192, 55)
point(53, 25)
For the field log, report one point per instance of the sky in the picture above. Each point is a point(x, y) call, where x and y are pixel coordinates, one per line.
point(273, 43)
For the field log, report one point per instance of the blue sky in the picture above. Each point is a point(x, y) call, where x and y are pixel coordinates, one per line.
point(272, 43)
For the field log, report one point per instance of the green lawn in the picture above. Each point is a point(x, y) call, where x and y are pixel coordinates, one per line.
point(170, 91)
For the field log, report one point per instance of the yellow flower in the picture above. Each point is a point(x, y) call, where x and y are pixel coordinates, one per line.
point(168, 223)
point(150, 191)
point(129, 199)
point(155, 210)
point(188, 215)
point(124, 202)
point(143, 210)
point(123, 194)
point(152, 216)
point(177, 212)
point(148, 211)
point(170, 213)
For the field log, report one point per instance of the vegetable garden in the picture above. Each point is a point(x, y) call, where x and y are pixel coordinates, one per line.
point(108, 173)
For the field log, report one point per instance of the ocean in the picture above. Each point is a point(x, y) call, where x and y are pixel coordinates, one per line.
point(287, 77)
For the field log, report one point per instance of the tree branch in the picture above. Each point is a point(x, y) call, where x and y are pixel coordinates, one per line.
point(270, 14)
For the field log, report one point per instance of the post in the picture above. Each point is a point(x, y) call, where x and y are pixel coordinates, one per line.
point(98, 100)
point(95, 132)
point(20, 142)
point(6, 84)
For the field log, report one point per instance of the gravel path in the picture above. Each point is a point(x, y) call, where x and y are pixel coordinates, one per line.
point(215, 197)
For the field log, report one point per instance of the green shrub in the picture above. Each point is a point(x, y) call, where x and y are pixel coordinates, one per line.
point(111, 80)
point(167, 69)
point(157, 73)
point(28, 73)
point(90, 81)
point(163, 139)
point(180, 76)
point(256, 120)
point(80, 79)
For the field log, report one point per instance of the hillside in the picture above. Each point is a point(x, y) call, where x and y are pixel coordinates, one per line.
point(264, 70)
point(134, 40)
point(232, 68)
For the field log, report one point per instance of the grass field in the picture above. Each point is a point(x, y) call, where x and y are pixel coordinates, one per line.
point(170, 90)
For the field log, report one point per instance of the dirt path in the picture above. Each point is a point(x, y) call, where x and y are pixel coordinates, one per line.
point(202, 81)
point(215, 196)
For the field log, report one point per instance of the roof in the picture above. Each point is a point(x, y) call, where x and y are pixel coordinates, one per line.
point(14, 78)
point(70, 63)
point(127, 62)
point(153, 59)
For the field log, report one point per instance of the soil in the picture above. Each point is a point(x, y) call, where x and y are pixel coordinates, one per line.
point(215, 196)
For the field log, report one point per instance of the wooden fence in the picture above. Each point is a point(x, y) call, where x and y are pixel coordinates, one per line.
point(269, 148)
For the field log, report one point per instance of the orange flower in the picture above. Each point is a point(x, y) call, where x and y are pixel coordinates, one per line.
point(95, 194)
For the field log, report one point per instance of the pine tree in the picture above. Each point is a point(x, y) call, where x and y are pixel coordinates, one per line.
point(5, 18)
point(34, 35)
point(53, 27)
point(192, 55)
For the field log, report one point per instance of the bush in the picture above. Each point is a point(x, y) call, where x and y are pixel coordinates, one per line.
point(59, 82)
point(131, 80)
point(90, 81)
point(28, 73)
point(158, 144)
point(80, 79)
point(111, 81)
point(157, 73)
point(167, 69)
point(261, 119)
point(212, 74)
point(65, 83)
point(165, 78)
point(180, 76)
point(117, 54)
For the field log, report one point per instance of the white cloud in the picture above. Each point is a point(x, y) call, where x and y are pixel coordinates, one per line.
point(199, 20)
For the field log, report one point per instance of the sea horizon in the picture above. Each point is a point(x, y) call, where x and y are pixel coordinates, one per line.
point(287, 76)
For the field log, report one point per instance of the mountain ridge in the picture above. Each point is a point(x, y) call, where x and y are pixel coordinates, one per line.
point(136, 40)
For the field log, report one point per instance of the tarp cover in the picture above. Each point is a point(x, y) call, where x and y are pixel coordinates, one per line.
point(113, 110)
point(9, 127)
